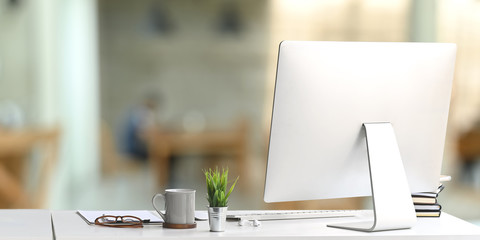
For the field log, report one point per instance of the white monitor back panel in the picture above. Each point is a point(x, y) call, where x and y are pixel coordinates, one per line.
point(325, 91)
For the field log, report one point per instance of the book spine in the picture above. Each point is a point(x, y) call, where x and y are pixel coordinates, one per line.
point(428, 207)
point(429, 214)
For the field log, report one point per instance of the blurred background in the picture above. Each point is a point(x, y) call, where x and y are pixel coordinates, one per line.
point(105, 103)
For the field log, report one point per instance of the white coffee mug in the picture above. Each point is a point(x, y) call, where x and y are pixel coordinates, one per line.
point(179, 206)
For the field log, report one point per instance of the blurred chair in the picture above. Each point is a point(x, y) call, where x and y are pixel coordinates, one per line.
point(113, 161)
point(468, 148)
point(162, 145)
point(108, 153)
point(27, 158)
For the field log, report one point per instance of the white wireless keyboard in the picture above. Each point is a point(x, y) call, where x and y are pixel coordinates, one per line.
point(291, 214)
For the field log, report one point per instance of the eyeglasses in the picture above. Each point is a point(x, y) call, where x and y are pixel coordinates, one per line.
point(119, 221)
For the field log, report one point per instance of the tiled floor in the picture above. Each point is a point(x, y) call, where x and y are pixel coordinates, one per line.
point(133, 188)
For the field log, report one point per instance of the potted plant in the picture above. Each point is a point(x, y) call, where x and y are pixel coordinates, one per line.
point(217, 196)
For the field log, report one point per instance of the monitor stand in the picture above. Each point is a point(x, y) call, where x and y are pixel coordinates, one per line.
point(392, 201)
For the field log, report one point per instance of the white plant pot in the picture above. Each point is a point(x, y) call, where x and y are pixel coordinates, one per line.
point(217, 218)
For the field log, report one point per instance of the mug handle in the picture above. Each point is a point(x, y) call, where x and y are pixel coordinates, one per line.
point(156, 208)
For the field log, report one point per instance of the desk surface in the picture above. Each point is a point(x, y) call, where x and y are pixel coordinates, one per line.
point(68, 225)
point(25, 224)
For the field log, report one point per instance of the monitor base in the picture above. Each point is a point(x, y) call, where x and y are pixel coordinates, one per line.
point(392, 202)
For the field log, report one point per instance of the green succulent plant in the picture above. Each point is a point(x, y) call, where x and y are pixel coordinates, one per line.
point(217, 181)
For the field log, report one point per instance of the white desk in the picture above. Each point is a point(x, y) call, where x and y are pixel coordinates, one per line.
point(25, 224)
point(68, 225)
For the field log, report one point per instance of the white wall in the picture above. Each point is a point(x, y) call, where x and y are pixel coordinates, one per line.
point(14, 56)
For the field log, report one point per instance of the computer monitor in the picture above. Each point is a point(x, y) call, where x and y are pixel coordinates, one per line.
point(345, 112)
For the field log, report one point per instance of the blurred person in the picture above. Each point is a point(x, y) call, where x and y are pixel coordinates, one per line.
point(140, 119)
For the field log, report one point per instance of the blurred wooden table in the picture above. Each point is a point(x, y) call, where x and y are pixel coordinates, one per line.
point(15, 148)
point(468, 145)
point(163, 145)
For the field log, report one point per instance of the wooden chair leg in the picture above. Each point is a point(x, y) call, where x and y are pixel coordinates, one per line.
point(160, 160)
point(11, 190)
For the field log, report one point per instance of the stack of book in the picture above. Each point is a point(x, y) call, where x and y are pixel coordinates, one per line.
point(426, 203)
